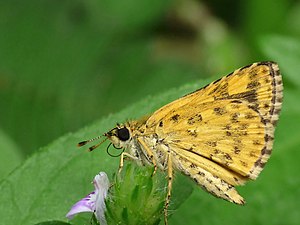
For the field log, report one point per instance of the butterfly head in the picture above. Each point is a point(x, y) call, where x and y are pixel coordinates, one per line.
point(119, 136)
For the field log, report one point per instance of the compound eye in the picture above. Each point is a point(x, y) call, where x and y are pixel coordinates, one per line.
point(123, 134)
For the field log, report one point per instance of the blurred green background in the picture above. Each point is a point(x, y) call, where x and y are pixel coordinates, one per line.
point(65, 64)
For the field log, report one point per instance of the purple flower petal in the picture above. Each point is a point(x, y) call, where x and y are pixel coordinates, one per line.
point(86, 204)
point(95, 201)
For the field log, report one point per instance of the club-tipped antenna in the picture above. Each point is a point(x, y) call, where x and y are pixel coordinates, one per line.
point(82, 143)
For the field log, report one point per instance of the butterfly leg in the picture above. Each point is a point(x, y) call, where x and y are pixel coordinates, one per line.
point(123, 155)
point(149, 154)
point(169, 189)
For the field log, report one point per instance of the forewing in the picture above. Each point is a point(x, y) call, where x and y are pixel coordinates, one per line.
point(230, 122)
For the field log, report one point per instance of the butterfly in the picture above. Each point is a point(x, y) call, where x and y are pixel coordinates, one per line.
point(220, 135)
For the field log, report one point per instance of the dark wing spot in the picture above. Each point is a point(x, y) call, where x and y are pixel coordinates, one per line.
point(220, 111)
point(192, 133)
point(266, 151)
point(201, 174)
point(259, 163)
point(193, 165)
point(268, 138)
point(266, 106)
point(234, 117)
point(199, 116)
point(194, 119)
point(253, 85)
point(217, 151)
point(243, 163)
point(209, 181)
point(191, 120)
point(252, 74)
point(256, 142)
point(217, 188)
point(227, 127)
point(211, 143)
point(249, 116)
point(265, 121)
point(267, 80)
point(236, 101)
point(227, 156)
point(243, 126)
point(236, 150)
point(175, 118)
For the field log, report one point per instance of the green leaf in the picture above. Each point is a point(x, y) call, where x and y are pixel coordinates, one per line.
point(10, 155)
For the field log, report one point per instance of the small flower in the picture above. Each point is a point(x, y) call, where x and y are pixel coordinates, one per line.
point(95, 201)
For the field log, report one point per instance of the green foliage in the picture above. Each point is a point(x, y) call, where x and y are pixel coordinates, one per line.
point(10, 154)
point(64, 64)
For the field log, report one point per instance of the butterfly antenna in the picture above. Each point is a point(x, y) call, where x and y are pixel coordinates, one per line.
point(82, 143)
